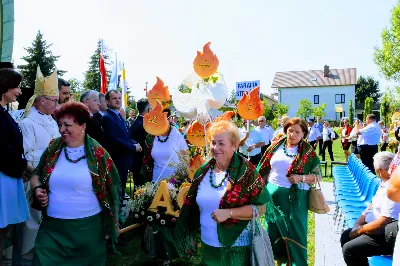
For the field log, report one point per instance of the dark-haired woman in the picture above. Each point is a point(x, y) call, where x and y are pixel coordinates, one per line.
point(290, 166)
point(13, 205)
point(76, 185)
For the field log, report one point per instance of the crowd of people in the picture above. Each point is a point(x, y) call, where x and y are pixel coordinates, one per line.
point(64, 168)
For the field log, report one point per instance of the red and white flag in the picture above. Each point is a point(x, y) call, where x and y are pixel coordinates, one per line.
point(103, 85)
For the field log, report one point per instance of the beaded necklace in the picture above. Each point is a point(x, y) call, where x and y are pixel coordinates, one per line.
point(286, 152)
point(72, 161)
point(169, 133)
point(212, 173)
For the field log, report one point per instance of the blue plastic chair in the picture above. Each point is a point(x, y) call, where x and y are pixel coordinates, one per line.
point(362, 200)
point(380, 261)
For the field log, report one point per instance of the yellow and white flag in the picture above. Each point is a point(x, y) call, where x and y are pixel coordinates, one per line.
point(123, 87)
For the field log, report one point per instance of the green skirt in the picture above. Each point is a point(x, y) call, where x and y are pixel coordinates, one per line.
point(71, 242)
point(296, 229)
point(234, 256)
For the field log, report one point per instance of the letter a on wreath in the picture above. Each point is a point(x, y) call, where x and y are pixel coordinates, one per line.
point(162, 199)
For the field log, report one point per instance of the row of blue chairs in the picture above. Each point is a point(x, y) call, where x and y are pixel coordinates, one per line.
point(354, 187)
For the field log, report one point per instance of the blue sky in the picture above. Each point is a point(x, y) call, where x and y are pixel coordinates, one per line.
point(253, 39)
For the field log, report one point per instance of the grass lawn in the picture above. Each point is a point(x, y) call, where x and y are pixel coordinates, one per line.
point(132, 253)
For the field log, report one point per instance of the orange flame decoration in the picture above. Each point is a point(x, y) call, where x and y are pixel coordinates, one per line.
point(160, 93)
point(227, 116)
point(196, 134)
point(195, 164)
point(206, 63)
point(250, 107)
point(155, 122)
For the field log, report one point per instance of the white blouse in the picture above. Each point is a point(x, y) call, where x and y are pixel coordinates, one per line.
point(208, 199)
point(280, 164)
point(165, 153)
point(71, 191)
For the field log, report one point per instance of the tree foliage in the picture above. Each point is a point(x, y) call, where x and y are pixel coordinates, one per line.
point(92, 75)
point(385, 109)
point(268, 112)
point(387, 58)
point(281, 109)
point(367, 87)
point(305, 109)
point(319, 110)
point(232, 97)
point(367, 107)
point(351, 113)
point(76, 88)
point(38, 54)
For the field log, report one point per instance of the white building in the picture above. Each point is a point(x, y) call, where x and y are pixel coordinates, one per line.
point(335, 87)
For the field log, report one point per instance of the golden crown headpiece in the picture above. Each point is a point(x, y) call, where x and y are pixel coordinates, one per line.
point(46, 86)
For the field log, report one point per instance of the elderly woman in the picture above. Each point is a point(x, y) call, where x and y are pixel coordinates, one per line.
point(13, 206)
point(393, 193)
point(219, 201)
point(344, 136)
point(289, 167)
point(367, 237)
point(76, 186)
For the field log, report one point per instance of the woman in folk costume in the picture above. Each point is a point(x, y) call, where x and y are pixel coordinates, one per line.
point(13, 206)
point(76, 186)
point(160, 153)
point(38, 129)
point(289, 166)
point(219, 201)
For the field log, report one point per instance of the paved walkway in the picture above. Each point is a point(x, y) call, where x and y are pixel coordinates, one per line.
point(327, 242)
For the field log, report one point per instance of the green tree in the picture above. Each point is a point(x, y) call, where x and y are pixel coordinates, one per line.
point(367, 87)
point(92, 75)
point(319, 110)
point(385, 108)
point(281, 109)
point(351, 113)
point(305, 109)
point(76, 88)
point(232, 97)
point(268, 112)
point(367, 107)
point(387, 58)
point(38, 54)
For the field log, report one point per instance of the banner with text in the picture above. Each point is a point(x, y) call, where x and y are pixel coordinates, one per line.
point(243, 86)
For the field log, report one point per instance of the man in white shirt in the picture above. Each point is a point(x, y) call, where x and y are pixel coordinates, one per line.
point(314, 135)
point(266, 132)
point(371, 136)
point(251, 143)
point(367, 237)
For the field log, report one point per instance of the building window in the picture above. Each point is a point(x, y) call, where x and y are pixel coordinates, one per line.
point(340, 98)
point(316, 99)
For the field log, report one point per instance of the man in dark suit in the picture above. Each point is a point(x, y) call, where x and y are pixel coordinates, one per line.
point(119, 143)
point(90, 98)
point(139, 134)
point(102, 107)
